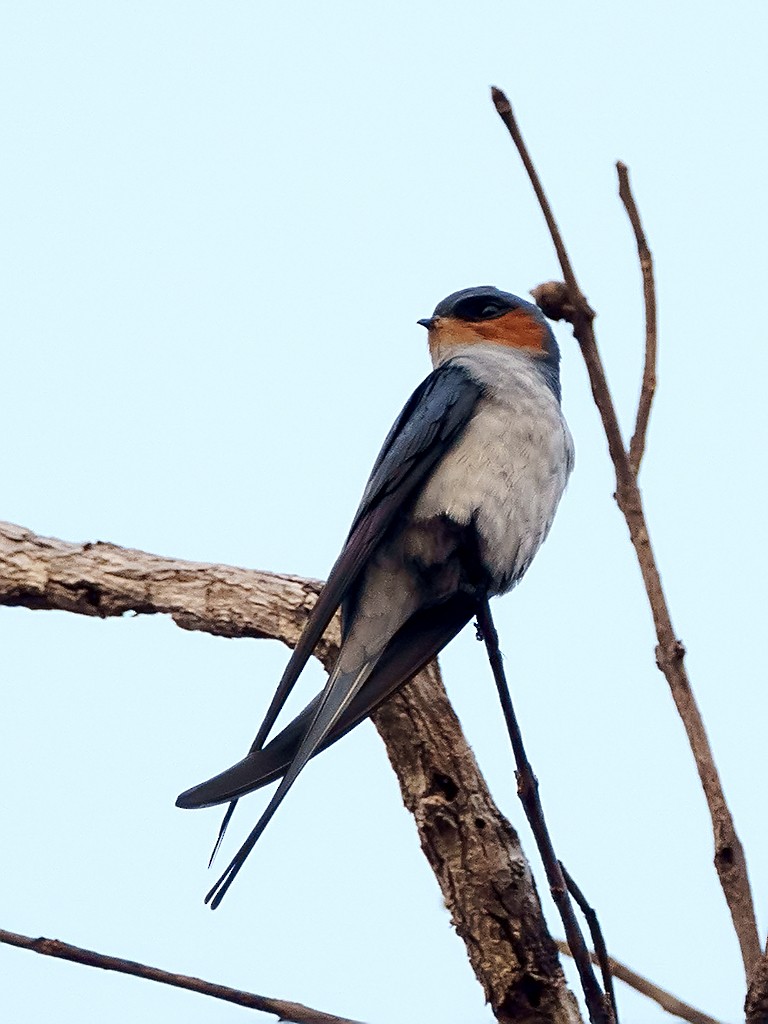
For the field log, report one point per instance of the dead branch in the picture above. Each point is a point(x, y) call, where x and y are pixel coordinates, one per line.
point(473, 850)
point(729, 855)
point(284, 1011)
point(647, 988)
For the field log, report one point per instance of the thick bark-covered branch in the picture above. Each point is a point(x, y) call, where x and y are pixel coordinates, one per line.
point(475, 853)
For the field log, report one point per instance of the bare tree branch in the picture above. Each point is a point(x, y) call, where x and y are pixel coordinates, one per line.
point(647, 988)
point(474, 852)
point(729, 855)
point(284, 1011)
point(648, 387)
point(105, 580)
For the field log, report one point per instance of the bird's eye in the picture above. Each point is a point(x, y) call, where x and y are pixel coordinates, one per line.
point(479, 308)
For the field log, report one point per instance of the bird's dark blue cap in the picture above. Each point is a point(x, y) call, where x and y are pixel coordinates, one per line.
point(471, 304)
point(467, 303)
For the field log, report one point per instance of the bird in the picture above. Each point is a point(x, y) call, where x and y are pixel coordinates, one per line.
point(460, 498)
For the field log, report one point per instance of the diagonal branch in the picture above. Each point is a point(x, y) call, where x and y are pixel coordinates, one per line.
point(295, 1013)
point(647, 988)
point(505, 112)
point(567, 302)
point(648, 387)
point(473, 850)
point(600, 955)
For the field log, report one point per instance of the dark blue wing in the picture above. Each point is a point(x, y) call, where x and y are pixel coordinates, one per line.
point(430, 422)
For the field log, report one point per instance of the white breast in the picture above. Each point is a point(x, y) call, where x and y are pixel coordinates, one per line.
point(510, 466)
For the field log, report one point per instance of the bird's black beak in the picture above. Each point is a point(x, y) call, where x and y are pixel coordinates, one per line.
point(428, 322)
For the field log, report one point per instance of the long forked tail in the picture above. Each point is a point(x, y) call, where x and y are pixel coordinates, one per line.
point(327, 718)
point(334, 700)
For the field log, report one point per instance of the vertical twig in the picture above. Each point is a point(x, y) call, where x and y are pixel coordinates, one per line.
point(599, 1009)
point(730, 862)
point(648, 387)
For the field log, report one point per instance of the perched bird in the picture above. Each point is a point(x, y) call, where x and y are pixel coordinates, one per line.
point(459, 501)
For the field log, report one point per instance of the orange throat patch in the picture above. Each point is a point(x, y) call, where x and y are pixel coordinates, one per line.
point(516, 329)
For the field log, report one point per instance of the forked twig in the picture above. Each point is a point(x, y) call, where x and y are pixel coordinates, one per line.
point(284, 1011)
point(601, 1011)
point(567, 302)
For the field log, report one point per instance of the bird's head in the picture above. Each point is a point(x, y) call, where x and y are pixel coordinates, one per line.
point(487, 316)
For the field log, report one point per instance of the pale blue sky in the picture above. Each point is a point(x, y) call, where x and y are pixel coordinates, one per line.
point(219, 225)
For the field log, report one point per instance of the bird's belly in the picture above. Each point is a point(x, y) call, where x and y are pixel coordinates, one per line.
point(506, 475)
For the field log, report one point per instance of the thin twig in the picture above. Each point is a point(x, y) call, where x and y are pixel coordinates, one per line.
point(284, 1011)
point(730, 862)
point(593, 923)
point(504, 110)
point(600, 1011)
point(647, 988)
point(648, 387)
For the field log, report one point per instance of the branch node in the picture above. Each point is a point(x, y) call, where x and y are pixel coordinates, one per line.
point(554, 301)
point(669, 655)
